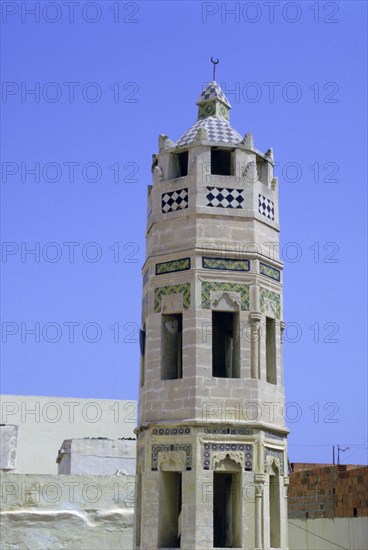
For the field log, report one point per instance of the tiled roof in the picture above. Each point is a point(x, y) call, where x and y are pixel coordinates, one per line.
point(218, 130)
point(213, 91)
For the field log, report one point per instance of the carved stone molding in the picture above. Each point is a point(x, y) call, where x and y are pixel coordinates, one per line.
point(251, 172)
point(255, 323)
point(255, 316)
point(225, 301)
point(167, 448)
point(236, 452)
point(259, 480)
point(269, 455)
point(181, 288)
point(270, 302)
point(228, 460)
point(171, 461)
point(172, 303)
point(211, 287)
point(272, 465)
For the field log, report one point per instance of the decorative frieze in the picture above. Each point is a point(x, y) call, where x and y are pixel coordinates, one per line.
point(174, 200)
point(272, 435)
point(227, 264)
point(171, 431)
point(183, 288)
point(266, 207)
point(224, 197)
point(269, 271)
point(166, 448)
point(231, 431)
point(210, 448)
point(211, 286)
point(175, 265)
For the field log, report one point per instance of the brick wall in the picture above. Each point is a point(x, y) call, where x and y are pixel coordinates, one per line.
point(328, 491)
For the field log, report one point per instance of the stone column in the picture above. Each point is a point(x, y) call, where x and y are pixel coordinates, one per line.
point(255, 319)
point(284, 513)
point(279, 341)
point(259, 479)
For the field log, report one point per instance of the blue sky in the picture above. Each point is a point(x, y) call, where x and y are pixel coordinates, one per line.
point(108, 78)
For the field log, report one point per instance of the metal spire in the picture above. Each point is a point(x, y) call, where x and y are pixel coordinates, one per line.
point(215, 62)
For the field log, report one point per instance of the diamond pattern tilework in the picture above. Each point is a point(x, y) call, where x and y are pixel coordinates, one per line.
point(277, 454)
point(209, 448)
point(229, 264)
point(171, 267)
point(212, 109)
point(269, 271)
point(269, 296)
point(213, 91)
point(223, 197)
point(208, 286)
point(207, 109)
point(174, 200)
point(183, 288)
point(218, 130)
point(223, 111)
point(166, 448)
point(266, 207)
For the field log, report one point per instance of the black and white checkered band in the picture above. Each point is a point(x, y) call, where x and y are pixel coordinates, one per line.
point(175, 200)
point(223, 197)
point(266, 207)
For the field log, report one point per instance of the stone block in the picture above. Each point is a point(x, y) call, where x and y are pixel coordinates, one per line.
point(8, 446)
point(97, 457)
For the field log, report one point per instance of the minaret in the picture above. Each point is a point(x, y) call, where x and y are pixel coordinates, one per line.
point(211, 457)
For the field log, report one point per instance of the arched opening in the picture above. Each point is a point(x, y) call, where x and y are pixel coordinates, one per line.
point(274, 504)
point(225, 344)
point(227, 504)
point(170, 504)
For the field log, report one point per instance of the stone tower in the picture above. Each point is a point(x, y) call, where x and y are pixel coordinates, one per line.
point(211, 456)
